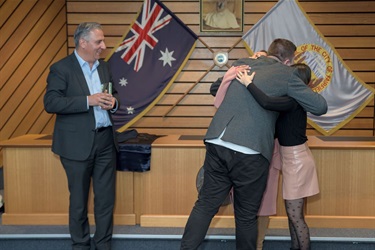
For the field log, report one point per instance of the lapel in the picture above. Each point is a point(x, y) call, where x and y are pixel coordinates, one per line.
point(81, 81)
point(101, 73)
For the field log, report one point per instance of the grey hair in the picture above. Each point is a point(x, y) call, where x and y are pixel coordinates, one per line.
point(83, 31)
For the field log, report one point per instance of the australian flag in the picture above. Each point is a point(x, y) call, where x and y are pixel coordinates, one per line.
point(144, 65)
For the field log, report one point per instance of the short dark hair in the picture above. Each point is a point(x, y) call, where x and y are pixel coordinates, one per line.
point(283, 49)
point(303, 71)
point(83, 31)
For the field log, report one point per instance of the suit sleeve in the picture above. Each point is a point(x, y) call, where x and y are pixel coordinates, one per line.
point(215, 86)
point(114, 90)
point(63, 96)
point(283, 103)
point(310, 101)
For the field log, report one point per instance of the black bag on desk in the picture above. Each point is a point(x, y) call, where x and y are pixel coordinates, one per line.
point(126, 135)
point(135, 151)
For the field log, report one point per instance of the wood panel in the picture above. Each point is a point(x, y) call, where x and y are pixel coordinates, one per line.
point(345, 200)
point(20, 13)
point(35, 34)
point(29, 75)
point(33, 175)
point(349, 187)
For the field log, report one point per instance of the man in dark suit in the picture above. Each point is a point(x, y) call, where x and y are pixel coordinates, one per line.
point(83, 136)
point(239, 145)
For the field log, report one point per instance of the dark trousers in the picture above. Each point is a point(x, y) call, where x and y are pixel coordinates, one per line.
point(224, 169)
point(100, 167)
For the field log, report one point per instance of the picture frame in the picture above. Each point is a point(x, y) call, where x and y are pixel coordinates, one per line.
point(221, 15)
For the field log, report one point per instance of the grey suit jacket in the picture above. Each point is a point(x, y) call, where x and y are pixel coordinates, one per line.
point(66, 96)
point(246, 122)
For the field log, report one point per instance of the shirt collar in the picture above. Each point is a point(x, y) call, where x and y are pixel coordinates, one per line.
point(275, 58)
point(82, 62)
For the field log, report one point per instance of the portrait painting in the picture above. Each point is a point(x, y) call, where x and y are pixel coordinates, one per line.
point(221, 15)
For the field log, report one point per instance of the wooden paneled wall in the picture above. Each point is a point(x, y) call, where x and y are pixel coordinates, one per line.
point(32, 36)
point(35, 34)
point(349, 26)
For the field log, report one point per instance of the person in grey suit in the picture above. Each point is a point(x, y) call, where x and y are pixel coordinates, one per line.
point(239, 145)
point(83, 135)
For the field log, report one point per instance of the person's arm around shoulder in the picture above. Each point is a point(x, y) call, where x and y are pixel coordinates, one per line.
point(228, 77)
point(283, 103)
point(310, 101)
point(215, 86)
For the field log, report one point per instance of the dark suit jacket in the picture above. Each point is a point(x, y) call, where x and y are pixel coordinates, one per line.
point(66, 96)
point(246, 122)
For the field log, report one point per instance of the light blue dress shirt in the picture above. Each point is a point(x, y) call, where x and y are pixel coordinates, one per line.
point(95, 86)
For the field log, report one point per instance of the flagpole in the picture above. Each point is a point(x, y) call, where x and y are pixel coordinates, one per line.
point(186, 92)
point(239, 40)
point(207, 71)
point(205, 44)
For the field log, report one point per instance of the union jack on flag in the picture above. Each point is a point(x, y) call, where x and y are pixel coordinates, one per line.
point(135, 46)
point(147, 60)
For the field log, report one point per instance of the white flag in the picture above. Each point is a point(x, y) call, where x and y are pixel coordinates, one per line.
point(345, 93)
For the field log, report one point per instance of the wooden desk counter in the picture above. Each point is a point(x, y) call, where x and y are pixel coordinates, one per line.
point(346, 173)
point(346, 170)
point(36, 190)
point(341, 142)
point(35, 187)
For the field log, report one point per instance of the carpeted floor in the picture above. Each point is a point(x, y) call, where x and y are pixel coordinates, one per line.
point(145, 238)
point(137, 230)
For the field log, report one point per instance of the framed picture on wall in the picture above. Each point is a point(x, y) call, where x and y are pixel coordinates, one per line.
point(221, 15)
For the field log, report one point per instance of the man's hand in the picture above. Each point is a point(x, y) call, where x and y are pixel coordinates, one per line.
point(104, 100)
